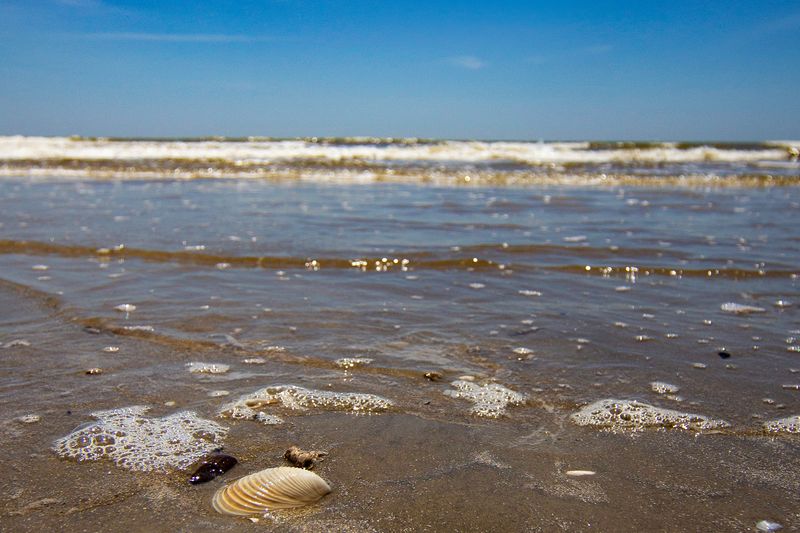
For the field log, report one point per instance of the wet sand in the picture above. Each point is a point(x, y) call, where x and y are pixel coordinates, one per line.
point(495, 285)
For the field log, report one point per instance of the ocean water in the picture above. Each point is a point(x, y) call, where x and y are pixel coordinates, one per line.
point(487, 291)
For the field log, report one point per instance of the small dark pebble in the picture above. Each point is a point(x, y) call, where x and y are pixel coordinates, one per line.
point(724, 355)
point(212, 466)
point(91, 330)
point(69, 412)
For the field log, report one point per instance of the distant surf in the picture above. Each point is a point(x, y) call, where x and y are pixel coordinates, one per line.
point(441, 162)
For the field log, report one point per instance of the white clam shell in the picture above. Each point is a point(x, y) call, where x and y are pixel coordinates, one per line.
point(274, 488)
point(580, 473)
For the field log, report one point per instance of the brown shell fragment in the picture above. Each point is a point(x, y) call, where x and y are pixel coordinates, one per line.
point(274, 488)
point(301, 458)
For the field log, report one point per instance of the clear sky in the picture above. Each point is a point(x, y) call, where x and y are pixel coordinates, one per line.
point(694, 70)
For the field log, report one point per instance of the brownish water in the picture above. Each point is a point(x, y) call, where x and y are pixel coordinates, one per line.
point(565, 294)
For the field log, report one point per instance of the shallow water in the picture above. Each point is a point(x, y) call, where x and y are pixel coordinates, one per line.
point(565, 294)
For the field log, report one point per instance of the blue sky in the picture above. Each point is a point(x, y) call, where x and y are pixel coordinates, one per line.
point(726, 70)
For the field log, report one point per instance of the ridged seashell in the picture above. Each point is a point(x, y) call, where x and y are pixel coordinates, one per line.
point(274, 488)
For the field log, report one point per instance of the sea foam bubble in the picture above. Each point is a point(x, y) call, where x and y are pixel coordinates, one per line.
point(251, 406)
point(790, 424)
point(490, 400)
point(136, 442)
point(632, 415)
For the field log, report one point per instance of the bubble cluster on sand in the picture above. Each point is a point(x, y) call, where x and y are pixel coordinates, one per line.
point(139, 328)
point(251, 406)
point(136, 442)
point(528, 292)
point(740, 309)
point(241, 411)
point(790, 424)
point(632, 415)
point(15, 343)
point(660, 387)
point(207, 368)
point(350, 362)
point(490, 400)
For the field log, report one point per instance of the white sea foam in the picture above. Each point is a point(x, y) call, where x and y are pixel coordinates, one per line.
point(198, 367)
point(252, 406)
point(352, 362)
point(265, 151)
point(790, 424)
point(661, 387)
point(136, 442)
point(632, 415)
point(489, 400)
point(740, 309)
